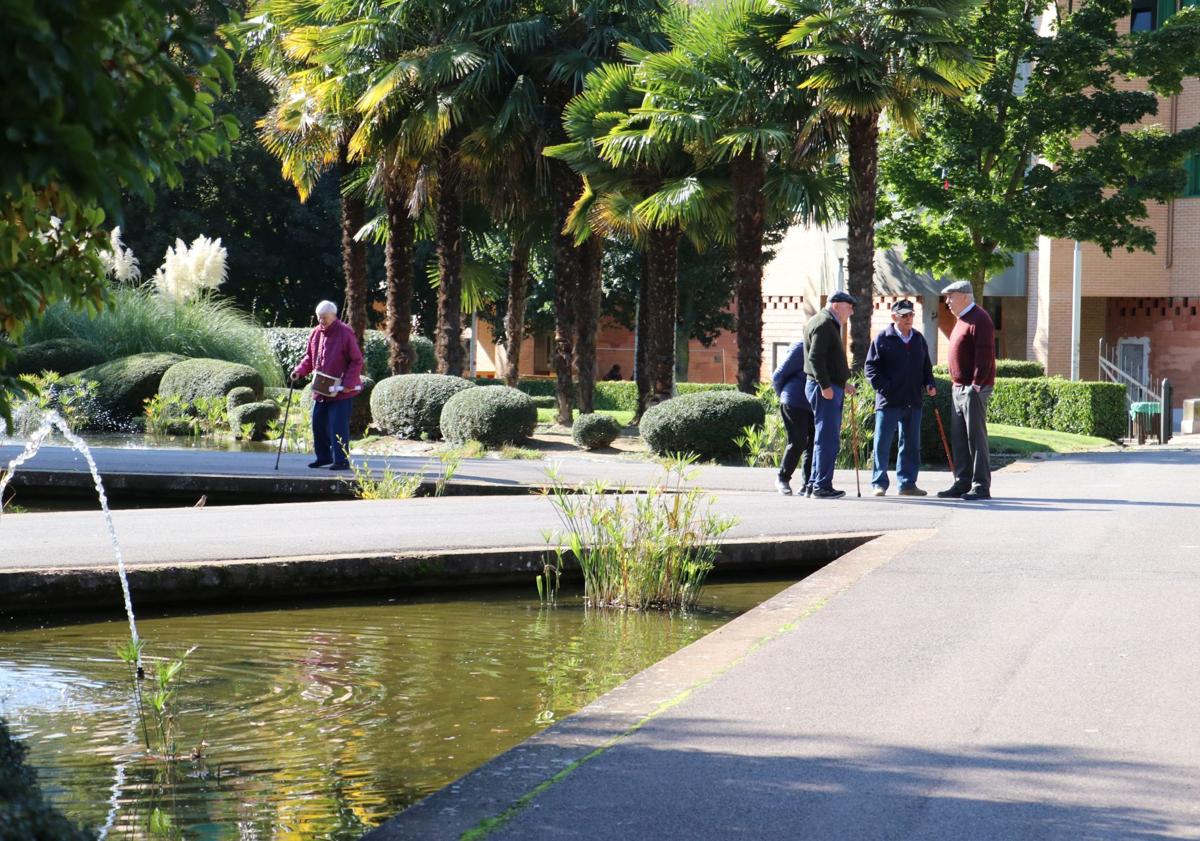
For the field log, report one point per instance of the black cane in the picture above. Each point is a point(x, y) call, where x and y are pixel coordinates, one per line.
point(288, 408)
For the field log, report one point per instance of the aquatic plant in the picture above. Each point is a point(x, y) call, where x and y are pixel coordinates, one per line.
point(648, 550)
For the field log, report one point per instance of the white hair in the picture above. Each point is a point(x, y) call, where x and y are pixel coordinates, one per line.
point(326, 306)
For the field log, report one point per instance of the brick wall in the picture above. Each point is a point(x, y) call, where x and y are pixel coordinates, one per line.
point(1173, 326)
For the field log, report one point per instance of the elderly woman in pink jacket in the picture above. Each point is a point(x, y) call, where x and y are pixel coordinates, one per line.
point(336, 362)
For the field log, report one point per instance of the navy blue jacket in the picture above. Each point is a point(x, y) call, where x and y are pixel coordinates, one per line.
point(788, 379)
point(899, 372)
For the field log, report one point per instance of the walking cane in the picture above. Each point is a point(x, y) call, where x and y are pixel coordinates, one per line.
point(854, 441)
point(941, 430)
point(287, 409)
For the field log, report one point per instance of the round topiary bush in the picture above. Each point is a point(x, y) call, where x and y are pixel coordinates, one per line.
point(66, 356)
point(124, 385)
point(493, 416)
point(260, 413)
point(544, 402)
point(410, 405)
point(595, 431)
point(240, 396)
point(705, 423)
point(192, 379)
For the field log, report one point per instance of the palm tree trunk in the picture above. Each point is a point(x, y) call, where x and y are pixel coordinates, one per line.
point(641, 375)
point(354, 253)
point(587, 322)
point(398, 264)
point(514, 320)
point(662, 257)
point(864, 164)
point(566, 187)
point(749, 221)
point(449, 250)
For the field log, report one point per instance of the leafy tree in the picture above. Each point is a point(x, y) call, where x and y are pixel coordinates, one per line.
point(865, 59)
point(993, 172)
point(97, 99)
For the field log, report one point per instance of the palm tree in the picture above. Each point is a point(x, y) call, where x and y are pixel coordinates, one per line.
point(644, 186)
point(865, 59)
point(724, 87)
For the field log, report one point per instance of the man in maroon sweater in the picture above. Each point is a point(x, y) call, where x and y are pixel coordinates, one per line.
point(972, 374)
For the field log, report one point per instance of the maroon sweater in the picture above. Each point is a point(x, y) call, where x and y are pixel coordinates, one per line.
point(973, 349)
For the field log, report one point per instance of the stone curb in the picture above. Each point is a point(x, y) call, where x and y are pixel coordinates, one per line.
point(487, 798)
point(54, 590)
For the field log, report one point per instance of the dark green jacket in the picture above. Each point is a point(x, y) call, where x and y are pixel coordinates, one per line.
point(824, 355)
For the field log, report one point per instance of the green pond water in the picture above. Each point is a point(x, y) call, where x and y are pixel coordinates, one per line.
point(320, 722)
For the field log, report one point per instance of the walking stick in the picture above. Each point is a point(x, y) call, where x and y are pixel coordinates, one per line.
point(854, 442)
point(941, 430)
point(286, 409)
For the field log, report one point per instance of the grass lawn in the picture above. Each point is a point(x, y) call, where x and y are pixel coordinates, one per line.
point(623, 418)
point(1015, 439)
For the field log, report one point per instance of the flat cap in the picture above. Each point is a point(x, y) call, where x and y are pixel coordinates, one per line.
point(843, 298)
point(957, 286)
point(902, 307)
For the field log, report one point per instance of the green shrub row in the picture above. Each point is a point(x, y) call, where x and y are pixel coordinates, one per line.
point(609, 395)
point(289, 343)
point(1022, 369)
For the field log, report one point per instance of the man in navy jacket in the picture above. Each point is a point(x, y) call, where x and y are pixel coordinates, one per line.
point(788, 382)
point(901, 373)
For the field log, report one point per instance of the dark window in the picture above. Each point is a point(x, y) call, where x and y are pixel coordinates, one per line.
point(1142, 18)
point(1192, 167)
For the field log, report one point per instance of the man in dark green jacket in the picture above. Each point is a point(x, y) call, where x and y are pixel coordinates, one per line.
point(828, 371)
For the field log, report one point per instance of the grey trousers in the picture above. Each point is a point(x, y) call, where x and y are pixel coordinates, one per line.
point(968, 437)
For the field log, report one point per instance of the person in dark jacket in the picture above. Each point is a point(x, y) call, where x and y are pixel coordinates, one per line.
point(788, 382)
point(972, 376)
point(334, 358)
point(828, 372)
point(901, 373)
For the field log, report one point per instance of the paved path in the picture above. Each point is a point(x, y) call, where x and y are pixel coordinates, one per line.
point(1027, 668)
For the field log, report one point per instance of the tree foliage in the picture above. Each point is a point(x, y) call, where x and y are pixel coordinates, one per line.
point(1006, 164)
point(97, 99)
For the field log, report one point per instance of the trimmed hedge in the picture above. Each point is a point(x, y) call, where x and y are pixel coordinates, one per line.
point(194, 379)
point(66, 356)
point(124, 385)
point(260, 413)
point(705, 423)
point(1019, 369)
point(544, 402)
point(410, 405)
point(240, 396)
point(289, 344)
point(492, 416)
point(25, 814)
point(595, 431)
point(609, 395)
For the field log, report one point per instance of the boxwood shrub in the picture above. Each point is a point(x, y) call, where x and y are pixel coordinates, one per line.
point(595, 431)
point(260, 413)
point(410, 405)
point(1020, 369)
point(123, 385)
point(66, 356)
point(492, 416)
point(240, 396)
point(705, 423)
point(194, 379)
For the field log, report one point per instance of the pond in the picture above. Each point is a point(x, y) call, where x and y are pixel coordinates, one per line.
point(319, 722)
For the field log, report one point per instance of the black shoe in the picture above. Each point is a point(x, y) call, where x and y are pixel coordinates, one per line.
point(952, 492)
point(783, 486)
point(319, 464)
point(977, 493)
point(807, 490)
point(828, 493)
point(345, 466)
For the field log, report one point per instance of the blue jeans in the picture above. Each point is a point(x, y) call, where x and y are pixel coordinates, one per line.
point(331, 430)
point(887, 421)
point(827, 415)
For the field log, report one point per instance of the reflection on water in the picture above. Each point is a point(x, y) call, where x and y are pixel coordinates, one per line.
point(318, 723)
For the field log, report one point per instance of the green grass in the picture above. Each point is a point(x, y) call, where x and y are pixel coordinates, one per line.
point(623, 418)
point(1003, 438)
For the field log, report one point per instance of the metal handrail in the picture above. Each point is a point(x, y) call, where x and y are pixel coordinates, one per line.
point(1111, 370)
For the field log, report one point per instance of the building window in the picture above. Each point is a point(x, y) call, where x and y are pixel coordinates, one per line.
point(1192, 167)
point(1142, 17)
